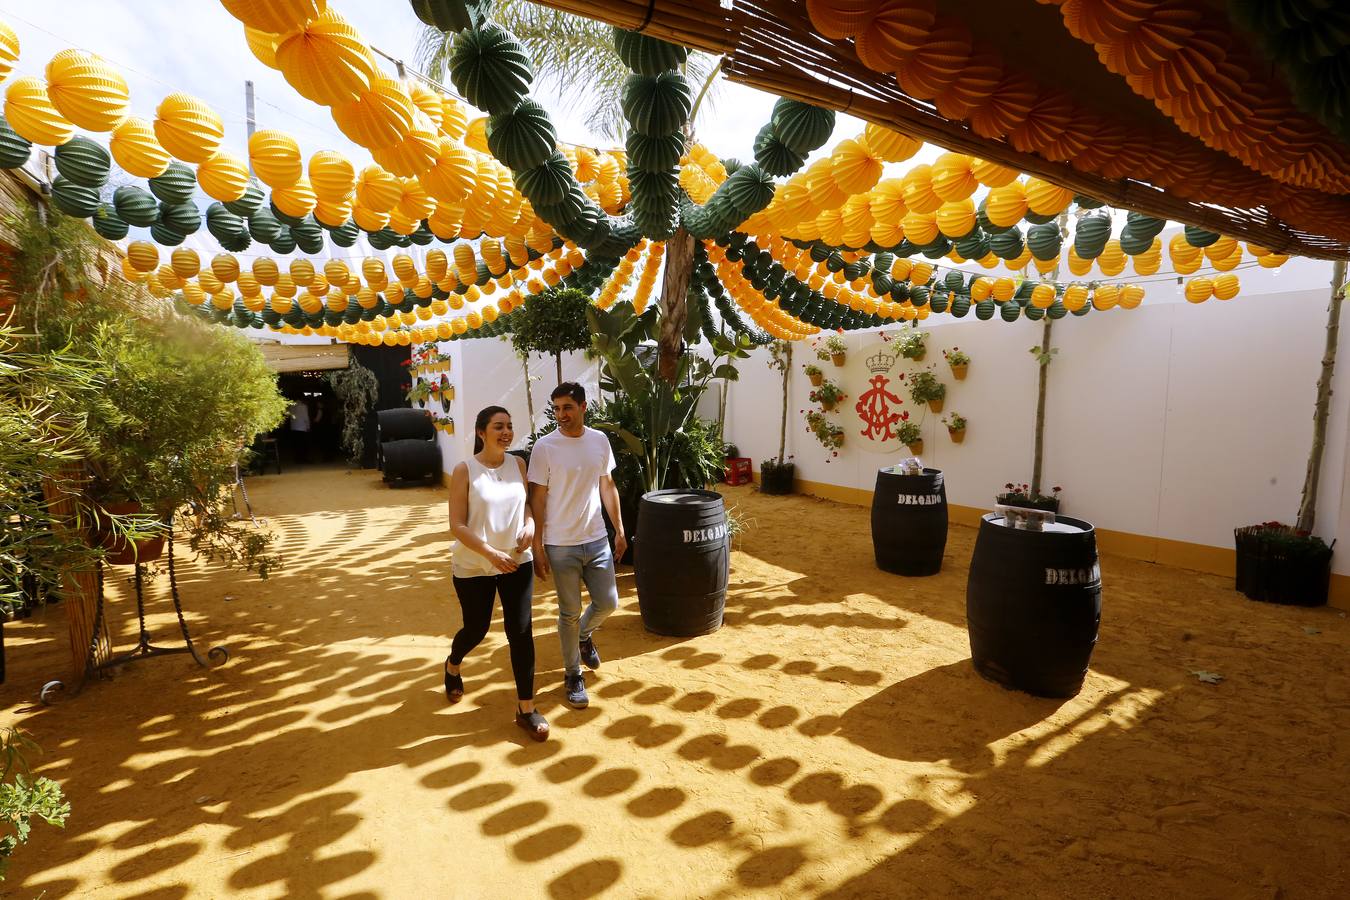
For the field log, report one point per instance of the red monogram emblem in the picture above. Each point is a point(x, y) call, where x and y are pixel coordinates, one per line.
point(874, 409)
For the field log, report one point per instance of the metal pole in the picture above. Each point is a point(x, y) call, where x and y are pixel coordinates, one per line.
point(248, 109)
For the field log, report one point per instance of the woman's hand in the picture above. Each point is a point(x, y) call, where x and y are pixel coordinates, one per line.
point(501, 561)
point(525, 539)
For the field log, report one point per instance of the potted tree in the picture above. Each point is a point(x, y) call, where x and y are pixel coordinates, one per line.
point(815, 375)
point(925, 388)
point(828, 395)
point(911, 436)
point(956, 427)
point(552, 322)
point(776, 475)
point(959, 362)
point(1278, 563)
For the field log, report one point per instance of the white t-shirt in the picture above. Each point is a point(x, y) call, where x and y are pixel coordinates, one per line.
point(571, 468)
point(299, 416)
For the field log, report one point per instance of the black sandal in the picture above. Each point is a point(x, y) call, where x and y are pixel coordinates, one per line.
point(533, 723)
point(454, 686)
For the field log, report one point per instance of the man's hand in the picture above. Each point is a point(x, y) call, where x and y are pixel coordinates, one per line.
point(541, 566)
point(620, 546)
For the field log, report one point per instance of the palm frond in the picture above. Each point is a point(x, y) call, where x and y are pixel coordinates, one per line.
point(574, 54)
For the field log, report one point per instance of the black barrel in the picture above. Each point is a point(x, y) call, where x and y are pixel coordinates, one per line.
point(682, 562)
point(1033, 604)
point(404, 424)
point(411, 460)
point(909, 522)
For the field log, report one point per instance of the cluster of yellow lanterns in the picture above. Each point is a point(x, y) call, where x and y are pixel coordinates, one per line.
point(700, 173)
point(623, 273)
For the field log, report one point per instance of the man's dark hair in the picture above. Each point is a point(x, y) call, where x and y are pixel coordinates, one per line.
point(569, 389)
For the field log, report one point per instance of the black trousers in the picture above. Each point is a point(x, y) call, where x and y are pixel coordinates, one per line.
point(476, 596)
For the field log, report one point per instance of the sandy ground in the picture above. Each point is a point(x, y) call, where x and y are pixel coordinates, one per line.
point(831, 740)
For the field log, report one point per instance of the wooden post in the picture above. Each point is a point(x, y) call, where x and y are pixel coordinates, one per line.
point(674, 308)
point(787, 371)
point(79, 588)
point(1307, 509)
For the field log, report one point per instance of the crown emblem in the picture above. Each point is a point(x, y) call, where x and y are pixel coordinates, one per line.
point(881, 362)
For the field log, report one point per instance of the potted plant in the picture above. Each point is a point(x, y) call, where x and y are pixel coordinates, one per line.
point(1023, 495)
point(912, 343)
point(911, 436)
point(959, 361)
point(827, 395)
point(830, 435)
point(1278, 563)
point(835, 350)
point(419, 392)
point(956, 427)
point(776, 475)
point(552, 322)
point(814, 373)
point(925, 388)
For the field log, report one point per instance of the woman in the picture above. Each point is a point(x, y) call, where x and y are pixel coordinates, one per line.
point(493, 528)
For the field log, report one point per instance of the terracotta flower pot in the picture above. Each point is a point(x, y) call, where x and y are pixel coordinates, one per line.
point(918, 357)
point(838, 358)
point(936, 405)
point(120, 551)
point(957, 434)
point(817, 379)
point(916, 448)
point(827, 405)
point(959, 371)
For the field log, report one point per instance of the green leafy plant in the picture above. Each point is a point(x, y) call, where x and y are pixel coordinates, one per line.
point(357, 389)
point(833, 346)
point(909, 432)
point(828, 394)
point(912, 343)
point(23, 798)
point(1023, 495)
point(830, 435)
point(956, 357)
point(954, 422)
point(731, 451)
point(552, 322)
point(1290, 540)
point(420, 391)
point(1043, 356)
point(812, 370)
point(662, 409)
point(924, 387)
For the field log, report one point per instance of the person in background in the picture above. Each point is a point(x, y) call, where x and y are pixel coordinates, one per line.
point(300, 427)
point(494, 530)
point(569, 480)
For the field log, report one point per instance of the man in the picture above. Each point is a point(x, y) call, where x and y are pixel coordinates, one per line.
point(300, 430)
point(569, 480)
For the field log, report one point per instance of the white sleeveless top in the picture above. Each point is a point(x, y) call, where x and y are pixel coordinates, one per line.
point(496, 515)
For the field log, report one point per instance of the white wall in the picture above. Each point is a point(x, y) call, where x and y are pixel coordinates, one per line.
point(1172, 420)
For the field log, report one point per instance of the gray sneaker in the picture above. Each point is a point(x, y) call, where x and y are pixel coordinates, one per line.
point(576, 691)
point(589, 655)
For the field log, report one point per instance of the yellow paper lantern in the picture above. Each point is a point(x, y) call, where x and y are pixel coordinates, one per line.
point(1006, 205)
point(1075, 297)
point(952, 177)
point(475, 135)
point(1131, 295)
point(298, 200)
point(265, 271)
point(1272, 260)
point(378, 118)
point(332, 214)
point(854, 168)
point(188, 128)
point(275, 157)
point(274, 15)
point(332, 176)
point(1198, 290)
point(1105, 297)
point(136, 149)
point(414, 154)
point(185, 262)
point(142, 255)
point(263, 45)
point(1046, 199)
point(956, 219)
point(31, 114)
point(9, 50)
point(1043, 295)
point(1226, 287)
point(452, 175)
point(919, 194)
point(326, 61)
point(226, 267)
point(891, 146)
point(223, 177)
point(992, 174)
point(87, 91)
point(378, 190)
point(1004, 288)
point(337, 273)
point(166, 277)
point(302, 272)
point(193, 294)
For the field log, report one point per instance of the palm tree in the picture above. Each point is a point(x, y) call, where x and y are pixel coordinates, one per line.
point(577, 53)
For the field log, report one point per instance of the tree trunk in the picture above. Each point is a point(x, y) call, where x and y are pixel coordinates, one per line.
point(1307, 509)
point(1040, 409)
point(674, 311)
point(529, 389)
point(79, 587)
point(782, 430)
point(557, 359)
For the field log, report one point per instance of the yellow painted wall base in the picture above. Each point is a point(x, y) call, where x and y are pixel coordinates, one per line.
point(1180, 554)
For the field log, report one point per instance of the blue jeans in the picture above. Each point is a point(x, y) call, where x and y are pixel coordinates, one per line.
point(592, 563)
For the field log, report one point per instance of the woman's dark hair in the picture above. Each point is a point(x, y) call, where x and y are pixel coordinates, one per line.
point(569, 389)
point(480, 424)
